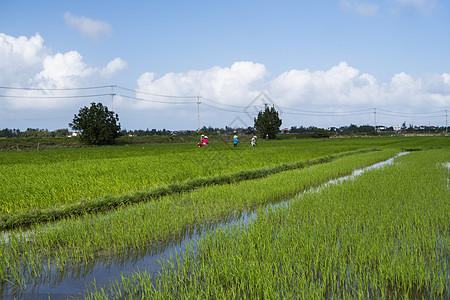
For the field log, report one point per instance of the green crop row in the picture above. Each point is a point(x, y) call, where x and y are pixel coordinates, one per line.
point(79, 241)
point(39, 179)
point(35, 180)
point(384, 235)
point(24, 219)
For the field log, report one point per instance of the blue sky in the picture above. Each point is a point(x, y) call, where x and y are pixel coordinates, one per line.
point(322, 63)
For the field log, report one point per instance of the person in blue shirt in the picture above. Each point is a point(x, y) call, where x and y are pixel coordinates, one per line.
point(235, 141)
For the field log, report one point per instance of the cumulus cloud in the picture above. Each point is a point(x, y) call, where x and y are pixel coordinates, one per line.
point(90, 28)
point(69, 69)
point(114, 67)
point(19, 56)
point(26, 62)
point(370, 9)
point(422, 6)
point(340, 89)
point(230, 85)
point(345, 86)
point(340, 86)
point(363, 8)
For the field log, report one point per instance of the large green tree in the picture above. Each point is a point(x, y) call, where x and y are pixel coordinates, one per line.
point(97, 125)
point(268, 122)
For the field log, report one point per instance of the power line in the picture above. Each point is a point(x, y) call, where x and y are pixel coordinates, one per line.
point(418, 115)
point(229, 105)
point(329, 112)
point(326, 114)
point(54, 89)
point(54, 97)
point(153, 94)
point(305, 112)
point(414, 114)
point(155, 101)
point(224, 109)
point(212, 103)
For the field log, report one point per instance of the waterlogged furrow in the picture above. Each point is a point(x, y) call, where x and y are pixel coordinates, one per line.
point(384, 235)
point(109, 202)
point(79, 241)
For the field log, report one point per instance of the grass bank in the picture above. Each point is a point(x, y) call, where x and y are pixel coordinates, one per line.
point(78, 242)
point(89, 206)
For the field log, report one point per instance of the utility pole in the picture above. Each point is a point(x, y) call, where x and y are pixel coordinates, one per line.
point(198, 113)
point(375, 118)
point(446, 116)
point(112, 97)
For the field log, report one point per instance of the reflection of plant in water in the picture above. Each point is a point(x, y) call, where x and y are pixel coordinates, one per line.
point(379, 236)
point(79, 246)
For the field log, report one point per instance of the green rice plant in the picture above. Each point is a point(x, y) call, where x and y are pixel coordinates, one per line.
point(35, 180)
point(384, 235)
point(38, 179)
point(83, 239)
point(109, 202)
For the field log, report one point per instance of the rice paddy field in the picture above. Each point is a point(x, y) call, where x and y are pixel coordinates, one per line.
point(39, 179)
point(259, 222)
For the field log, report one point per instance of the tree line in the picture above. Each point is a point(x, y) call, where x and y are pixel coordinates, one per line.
point(310, 130)
point(99, 126)
point(33, 132)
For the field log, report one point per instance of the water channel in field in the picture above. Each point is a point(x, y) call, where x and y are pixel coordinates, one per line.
point(72, 281)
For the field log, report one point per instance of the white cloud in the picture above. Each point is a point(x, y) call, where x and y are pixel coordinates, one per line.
point(446, 78)
point(26, 62)
point(114, 67)
point(62, 70)
point(19, 56)
point(370, 9)
point(340, 89)
point(422, 6)
point(363, 8)
point(94, 29)
point(230, 85)
point(340, 85)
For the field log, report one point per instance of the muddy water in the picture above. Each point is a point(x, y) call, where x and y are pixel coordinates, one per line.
point(72, 281)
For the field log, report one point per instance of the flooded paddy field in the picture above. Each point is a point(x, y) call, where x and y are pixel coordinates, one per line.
point(79, 256)
point(347, 240)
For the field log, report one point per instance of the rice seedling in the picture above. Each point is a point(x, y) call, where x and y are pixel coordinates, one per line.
point(38, 179)
point(383, 235)
point(34, 180)
point(81, 240)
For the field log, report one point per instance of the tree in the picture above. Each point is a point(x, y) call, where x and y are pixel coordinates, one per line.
point(61, 132)
point(6, 133)
point(268, 122)
point(96, 124)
